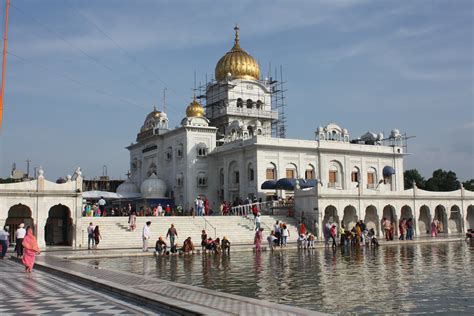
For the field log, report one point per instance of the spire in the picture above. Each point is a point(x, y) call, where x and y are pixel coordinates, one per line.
point(236, 41)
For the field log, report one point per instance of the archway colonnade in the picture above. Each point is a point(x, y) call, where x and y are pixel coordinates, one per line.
point(452, 218)
point(53, 226)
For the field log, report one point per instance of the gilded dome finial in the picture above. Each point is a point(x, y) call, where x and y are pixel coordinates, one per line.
point(236, 29)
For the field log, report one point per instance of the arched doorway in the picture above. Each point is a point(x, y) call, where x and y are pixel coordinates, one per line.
point(330, 216)
point(455, 218)
point(389, 213)
point(424, 221)
point(470, 217)
point(440, 215)
point(406, 212)
point(58, 229)
point(18, 214)
point(372, 219)
point(350, 217)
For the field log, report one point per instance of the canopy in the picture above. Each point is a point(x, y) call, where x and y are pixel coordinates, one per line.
point(388, 171)
point(109, 195)
point(309, 183)
point(286, 184)
point(268, 185)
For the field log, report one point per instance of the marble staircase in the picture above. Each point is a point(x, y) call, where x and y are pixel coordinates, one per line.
point(116, 233)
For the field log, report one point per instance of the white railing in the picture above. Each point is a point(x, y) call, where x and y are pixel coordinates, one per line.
point(246, 209)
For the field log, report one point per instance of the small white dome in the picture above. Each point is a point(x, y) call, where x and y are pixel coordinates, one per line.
point(128, 187)
point(153, 188)
point(320, 129)
point(345, 131)
point(395, 133)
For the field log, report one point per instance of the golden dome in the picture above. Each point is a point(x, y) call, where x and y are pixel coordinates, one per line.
point(154, 114)
point(238, 63)
point(194, 109)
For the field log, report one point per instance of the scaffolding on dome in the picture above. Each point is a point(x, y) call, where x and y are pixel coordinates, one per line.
point(278, 104)
point(277, 99)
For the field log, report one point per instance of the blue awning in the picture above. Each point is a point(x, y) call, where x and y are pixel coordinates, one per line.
point(388, 171)
point(268, 185)
point(286, 184)
point(309, 183)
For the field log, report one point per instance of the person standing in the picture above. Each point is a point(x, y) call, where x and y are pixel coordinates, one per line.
point(168, 210)
point(4, 234)
point(30, 249)
point(410, 229)
point(172, 234)
point(434, 228)
point(102, 205)
point(146, 235)
point(203, 240)
point(332, 233)
point(97, 236)
point(257, 221)
point(19, 235)
point(90, 236)
point(285, 233)
point(402, 226)
point(160, 210)
point(132, 221)
point(387, 226)
point(258, 239)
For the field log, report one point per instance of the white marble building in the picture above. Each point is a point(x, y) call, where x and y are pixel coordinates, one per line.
point(54, 211)
point(225, 151)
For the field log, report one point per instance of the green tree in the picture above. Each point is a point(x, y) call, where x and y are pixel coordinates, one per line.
point(469, 185)
point(413, 175)
point(443, 181)
point(7, 180)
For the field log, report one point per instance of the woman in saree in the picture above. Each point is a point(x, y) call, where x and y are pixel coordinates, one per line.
point(30, 250)
point(434, 228)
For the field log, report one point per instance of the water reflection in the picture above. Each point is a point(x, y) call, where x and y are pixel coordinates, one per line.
point(403, 278)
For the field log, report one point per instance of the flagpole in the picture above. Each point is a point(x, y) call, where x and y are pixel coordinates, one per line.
point(4, 62)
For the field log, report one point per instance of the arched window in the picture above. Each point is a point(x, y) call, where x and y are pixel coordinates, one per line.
point(240, 103)
point(251, 174)
point(221, 177)
point(355, 175)
point(309, 173)
point(179, 151)
point(259, 105)
point(271, 172)
point(169, 153)
point(179, 180)
point(202, 179)
point(202, 150)
point(371, 178)
point(259, 131)
point(291, 171)
point(335, 174)
point(250, 131)
point(249, 103)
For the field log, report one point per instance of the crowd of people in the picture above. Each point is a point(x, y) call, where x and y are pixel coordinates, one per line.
point(26, 246)
point(208, 245)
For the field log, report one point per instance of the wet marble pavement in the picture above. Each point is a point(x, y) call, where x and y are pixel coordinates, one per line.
point(42, 293)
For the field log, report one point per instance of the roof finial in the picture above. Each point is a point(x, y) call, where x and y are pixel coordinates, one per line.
point(236, 29)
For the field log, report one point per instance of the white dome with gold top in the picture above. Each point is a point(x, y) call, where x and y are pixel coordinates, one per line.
point(155, 119)
point(237, 62)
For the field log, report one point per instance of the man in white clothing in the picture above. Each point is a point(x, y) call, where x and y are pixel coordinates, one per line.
point(19, 235)
point(146, 235)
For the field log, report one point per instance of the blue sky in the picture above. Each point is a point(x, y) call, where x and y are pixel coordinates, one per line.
point(82, 75)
